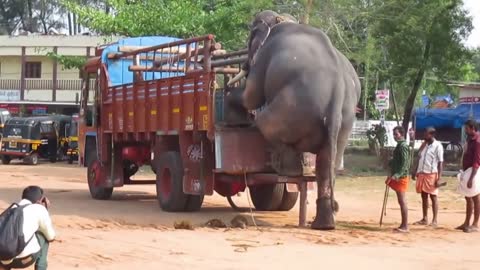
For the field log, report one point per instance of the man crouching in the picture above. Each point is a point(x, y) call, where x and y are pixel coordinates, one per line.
point(29, 240)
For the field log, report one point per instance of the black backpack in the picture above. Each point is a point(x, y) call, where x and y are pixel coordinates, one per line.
point(12, 240)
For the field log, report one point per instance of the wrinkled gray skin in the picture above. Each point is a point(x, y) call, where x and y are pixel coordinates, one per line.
point(310, 91)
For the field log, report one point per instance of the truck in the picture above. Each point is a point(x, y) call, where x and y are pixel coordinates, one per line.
point(160, 102)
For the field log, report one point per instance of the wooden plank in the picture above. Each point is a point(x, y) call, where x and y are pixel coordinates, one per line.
point(129, 49)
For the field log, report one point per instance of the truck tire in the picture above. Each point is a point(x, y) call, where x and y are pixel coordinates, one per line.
point(289, 200)
point(169, 171)
point(6, 160)
point(31, 160)
point(267, 197)
point(194, 203)
point(97, 192)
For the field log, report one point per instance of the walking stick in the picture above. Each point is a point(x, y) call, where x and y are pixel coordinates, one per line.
point(384, 206)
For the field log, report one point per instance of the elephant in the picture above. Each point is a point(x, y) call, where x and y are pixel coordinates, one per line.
point(268, 20)
point(308, 92)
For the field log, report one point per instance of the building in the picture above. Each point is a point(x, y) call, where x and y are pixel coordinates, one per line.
point(32, 82)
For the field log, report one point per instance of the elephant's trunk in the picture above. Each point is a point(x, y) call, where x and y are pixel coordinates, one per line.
point(237, 78)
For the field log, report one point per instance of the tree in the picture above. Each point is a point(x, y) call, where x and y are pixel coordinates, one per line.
point(420, 37)
point(30, 15)
point(226, 19)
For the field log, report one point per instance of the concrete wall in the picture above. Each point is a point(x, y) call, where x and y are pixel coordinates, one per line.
point(11, 68)
point(46, 95)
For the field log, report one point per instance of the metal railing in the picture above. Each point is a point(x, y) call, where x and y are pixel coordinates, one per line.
point(42, 84)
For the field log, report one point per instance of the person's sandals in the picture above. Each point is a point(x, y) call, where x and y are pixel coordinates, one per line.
point(470, 229)
point(400, 230)
point(421, 222)
point(433, 225)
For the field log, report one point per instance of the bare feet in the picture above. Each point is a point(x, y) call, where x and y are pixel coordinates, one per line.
point(401, 230)
point(470, 229)
point(434, 224)
point(421, 222)
point(462, 227)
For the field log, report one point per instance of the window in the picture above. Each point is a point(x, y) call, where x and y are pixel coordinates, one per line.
point(33, 69)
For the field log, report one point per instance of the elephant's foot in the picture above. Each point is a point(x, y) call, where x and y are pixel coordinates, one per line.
point(324, 220)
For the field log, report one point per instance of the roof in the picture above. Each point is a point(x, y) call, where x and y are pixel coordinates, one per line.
point(30, 120)
point(446, 118)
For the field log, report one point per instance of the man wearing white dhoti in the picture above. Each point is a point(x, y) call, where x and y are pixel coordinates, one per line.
point(469, 185)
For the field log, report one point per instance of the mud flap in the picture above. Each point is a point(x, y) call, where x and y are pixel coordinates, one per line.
point(198, 162)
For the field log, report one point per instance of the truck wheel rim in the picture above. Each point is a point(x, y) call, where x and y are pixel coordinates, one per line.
point(166, 183)
point(94, 176)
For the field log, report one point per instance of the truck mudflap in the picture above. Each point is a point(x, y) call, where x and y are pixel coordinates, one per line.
point(198, 161)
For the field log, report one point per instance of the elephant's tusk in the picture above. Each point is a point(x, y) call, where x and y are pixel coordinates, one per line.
point(237, 78)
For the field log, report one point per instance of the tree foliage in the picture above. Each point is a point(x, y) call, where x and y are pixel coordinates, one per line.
point(183, 18)
point(29, 15)
point(403, 45)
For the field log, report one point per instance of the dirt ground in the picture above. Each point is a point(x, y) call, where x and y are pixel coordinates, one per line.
point(131, 232)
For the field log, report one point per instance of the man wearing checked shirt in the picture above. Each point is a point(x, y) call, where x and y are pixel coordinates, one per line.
point(399, 174)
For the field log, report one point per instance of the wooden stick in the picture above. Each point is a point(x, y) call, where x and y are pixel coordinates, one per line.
point(200, 52)
point(227, 70)
point(232, 61)
point(384, 206)
point(136, 68)
point(127, 49)
point(231, 54)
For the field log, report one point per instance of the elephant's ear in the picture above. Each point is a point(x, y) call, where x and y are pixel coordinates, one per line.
point(258, 35)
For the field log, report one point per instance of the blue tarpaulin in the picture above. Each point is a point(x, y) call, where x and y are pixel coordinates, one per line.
point(446, 118)
point(118, 68)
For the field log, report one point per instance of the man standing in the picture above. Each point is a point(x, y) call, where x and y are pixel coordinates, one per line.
point(37, 230)
point(399, 172)
point(469, 184)
point(428, 171)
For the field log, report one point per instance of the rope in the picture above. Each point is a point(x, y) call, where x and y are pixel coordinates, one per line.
point(249, 202)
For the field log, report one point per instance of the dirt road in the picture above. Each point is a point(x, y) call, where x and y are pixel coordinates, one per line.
point(131, 232)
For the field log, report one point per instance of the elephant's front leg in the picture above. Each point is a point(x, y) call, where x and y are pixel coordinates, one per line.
point(324, 219)
point(253, 96)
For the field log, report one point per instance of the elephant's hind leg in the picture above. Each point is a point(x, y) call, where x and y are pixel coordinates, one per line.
point(325, 174)
point(324, 219)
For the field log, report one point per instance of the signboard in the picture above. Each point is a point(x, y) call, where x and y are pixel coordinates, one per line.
point(469, 100)
point(9, 95)
point(12, 108)
point(382, 99)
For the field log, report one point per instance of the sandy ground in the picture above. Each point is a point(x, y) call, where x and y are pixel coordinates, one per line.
point(131, 232)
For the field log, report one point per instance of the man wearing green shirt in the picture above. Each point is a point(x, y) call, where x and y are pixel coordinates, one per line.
point(398, 177)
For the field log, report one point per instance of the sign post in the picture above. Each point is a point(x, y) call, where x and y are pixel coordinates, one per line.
point(382, 103)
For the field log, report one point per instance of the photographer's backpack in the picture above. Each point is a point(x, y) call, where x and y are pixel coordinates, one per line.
point(12, 240)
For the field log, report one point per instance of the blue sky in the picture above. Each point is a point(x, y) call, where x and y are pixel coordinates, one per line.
point(473, 6)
